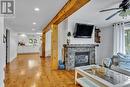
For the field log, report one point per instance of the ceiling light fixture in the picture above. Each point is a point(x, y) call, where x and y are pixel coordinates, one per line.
point(36, 9)
point(34, 23)
point(33, 29)
point(23, 35)
point(38, 33)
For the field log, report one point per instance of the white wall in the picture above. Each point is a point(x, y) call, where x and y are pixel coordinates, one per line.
point(2, 53)
point(12, 50)
point(48, 44)
point(26, 37)
point(105, 49)
point(62, 35)
point(12, 45)
point(29, 48)
point(71, 27)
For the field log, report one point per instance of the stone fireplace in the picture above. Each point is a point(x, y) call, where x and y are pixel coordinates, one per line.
point(79, 55)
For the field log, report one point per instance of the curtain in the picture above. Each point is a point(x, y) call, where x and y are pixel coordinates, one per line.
point(119, 38)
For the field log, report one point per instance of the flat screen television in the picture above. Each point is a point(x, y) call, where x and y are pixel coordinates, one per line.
point(83, 30)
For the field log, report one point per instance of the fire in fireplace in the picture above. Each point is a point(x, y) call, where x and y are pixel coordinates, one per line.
point(82, 58)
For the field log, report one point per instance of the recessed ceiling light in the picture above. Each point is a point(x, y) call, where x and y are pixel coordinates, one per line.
point(36, 9)
point(38, 33)
point(33, 29)
point(23, 35)
point(34, 23)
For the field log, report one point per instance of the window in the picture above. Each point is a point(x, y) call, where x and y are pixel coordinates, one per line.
point(127, 41)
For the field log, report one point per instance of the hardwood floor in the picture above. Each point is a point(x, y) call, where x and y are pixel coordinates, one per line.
point(30, 70)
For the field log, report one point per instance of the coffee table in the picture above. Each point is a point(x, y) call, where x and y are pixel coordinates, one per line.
point(97, 76)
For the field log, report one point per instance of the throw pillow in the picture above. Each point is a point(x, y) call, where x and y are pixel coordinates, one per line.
point(107, 62)
point(123, 58)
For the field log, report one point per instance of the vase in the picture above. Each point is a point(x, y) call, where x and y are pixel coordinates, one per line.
point(68, 41)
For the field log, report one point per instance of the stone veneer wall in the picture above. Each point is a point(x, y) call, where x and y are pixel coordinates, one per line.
point(73, 48)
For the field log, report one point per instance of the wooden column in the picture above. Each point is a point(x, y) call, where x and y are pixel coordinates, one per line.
point(54, 46)
point(43, 45)
point(68, 9)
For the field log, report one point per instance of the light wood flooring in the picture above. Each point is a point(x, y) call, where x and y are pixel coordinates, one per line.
point(30, 70)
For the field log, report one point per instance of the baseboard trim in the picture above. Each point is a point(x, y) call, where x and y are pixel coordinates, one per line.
point(48, 56)
point(45, 57)
point(28, 53)
point(41, 56)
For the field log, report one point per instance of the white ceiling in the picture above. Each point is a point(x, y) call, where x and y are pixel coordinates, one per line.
point(25, 14)
point(90, 13)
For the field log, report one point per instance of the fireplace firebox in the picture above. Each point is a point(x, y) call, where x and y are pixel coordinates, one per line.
point(82, 58)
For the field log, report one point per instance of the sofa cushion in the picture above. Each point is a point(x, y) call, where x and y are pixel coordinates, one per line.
point(124, 61)
point(121, 70)
point(124, 65)
point(123, 58)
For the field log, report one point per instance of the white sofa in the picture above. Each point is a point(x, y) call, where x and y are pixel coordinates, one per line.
point(121, 70)
point(115, 66)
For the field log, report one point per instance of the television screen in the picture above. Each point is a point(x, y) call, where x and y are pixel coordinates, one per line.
point(83, 31)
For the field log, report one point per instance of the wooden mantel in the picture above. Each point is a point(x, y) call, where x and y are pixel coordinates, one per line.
point(68, 9)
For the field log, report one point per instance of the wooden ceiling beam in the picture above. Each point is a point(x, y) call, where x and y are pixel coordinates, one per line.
point(69, 8)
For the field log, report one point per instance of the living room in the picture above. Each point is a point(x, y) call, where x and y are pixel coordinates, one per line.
point(108, 39)
point(84, 43)
point(87, 15)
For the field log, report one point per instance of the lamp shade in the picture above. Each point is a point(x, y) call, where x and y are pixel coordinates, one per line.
point(69, 34)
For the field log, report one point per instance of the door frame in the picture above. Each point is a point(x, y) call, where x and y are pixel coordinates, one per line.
point(7, 45)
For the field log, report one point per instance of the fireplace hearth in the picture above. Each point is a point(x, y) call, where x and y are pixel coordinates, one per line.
point(79, 55)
